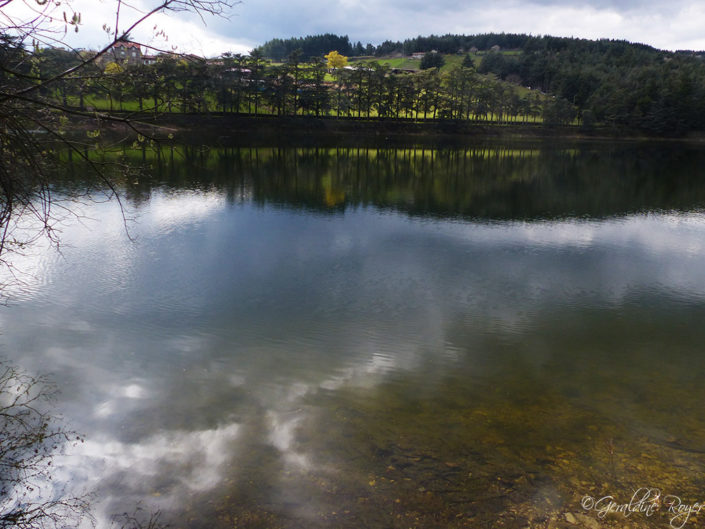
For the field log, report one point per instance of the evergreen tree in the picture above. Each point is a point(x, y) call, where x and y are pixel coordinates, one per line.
point(432, 60)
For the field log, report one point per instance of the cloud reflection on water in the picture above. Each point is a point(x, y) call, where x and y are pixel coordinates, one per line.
point(173, 368)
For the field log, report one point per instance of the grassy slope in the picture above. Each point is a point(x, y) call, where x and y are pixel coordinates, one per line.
point(451, 61)
point(415, 64)
point(405, 63)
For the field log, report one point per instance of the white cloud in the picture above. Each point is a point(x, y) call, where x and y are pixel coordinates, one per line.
point(188, 36)
point(184, 32)
point(196, 461)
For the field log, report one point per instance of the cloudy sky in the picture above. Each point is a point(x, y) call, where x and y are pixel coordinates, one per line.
point(676, 24)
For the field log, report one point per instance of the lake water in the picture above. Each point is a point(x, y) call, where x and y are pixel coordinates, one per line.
point(380, 337)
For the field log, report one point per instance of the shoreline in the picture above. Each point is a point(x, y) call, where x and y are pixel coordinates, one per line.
point(235, 128)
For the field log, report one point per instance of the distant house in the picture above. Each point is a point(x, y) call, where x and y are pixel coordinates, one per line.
point(495, 48)
point(148, 60)
point(420, 54)
point(126, 52)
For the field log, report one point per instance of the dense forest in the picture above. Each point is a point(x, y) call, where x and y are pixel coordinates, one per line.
point(310, 46)
point(491, 78)
point(613, 82)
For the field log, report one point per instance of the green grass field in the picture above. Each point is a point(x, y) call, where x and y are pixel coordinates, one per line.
point(404, 63)
point(415, 64)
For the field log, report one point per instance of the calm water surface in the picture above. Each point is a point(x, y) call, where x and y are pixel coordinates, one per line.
point(380, 338)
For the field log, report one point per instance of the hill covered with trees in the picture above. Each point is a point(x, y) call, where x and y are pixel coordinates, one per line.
point(612, 82)
point(278, 49)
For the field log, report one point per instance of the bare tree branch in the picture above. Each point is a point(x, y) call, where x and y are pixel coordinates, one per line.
point(211, 7)
point(31, 438)
point(28, 105)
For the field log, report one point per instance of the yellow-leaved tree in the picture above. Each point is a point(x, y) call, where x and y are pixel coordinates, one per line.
point(336, 60)
point(113, 68)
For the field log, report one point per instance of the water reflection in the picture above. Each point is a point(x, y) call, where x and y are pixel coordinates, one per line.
point(520, 181)
point(32, 440)
point(373, 338)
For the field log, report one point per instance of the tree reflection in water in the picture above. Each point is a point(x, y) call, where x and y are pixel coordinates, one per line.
point(31, 438)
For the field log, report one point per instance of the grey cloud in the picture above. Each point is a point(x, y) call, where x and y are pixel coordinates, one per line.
point(257, 21)
point(620, 5)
